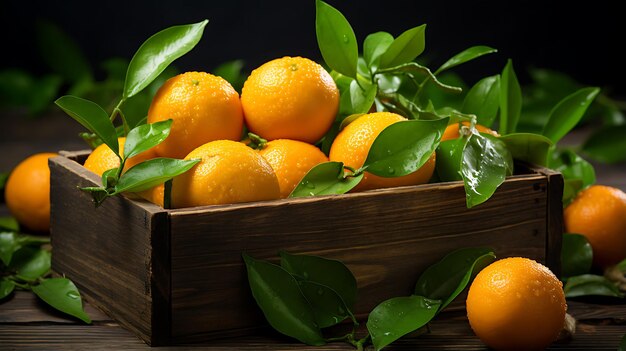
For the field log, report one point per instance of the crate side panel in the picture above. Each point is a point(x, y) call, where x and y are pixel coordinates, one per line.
point(386, 238)
point(106, 251)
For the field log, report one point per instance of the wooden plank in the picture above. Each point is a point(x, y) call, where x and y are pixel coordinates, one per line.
point(386, 237)
point(107, 251)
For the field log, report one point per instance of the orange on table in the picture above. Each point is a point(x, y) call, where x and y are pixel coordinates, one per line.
point(516, 304)
point(102, 158)
point(27, 192)
point(353, 143)
point(452, 131)
point(229, 172)
point(203, 108)
point(291, 160)
point(599, 213)
point(290, 98)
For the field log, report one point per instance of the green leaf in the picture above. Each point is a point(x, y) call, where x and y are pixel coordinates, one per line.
point(9, 224)
point(465, 56)
point(510, 100)
point(375, 45)
point(156, 53)
point(571, 189)
point(278, 295)
point(572, 166)
point(529, 147)
point(92, 117)
point(331, 273)
point(396, 317)
point(110, 178)
point(411, 68)
point(566, 114)
point(148, 174)
point(328, 307)
point(231, 71)
point(8, 246)
point(30, 263)
point(41, 97)
point(346, 121)
point(607, 145)
point(6, 287)
point(446, 279)
point(362, 100)
point(325, 179)
point(4, 176)
point(576, 255)
point(483, 100)
point(486, 163)
point(336, 39)
point(404, 147)
point(61, 53)
point(405, 48)
point(145, 137)
point(589, 284)
point(31, 240)
point(622, 344)
point(63, 295)
point(449, 157)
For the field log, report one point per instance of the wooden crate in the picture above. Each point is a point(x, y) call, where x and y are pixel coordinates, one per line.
point(177, 275)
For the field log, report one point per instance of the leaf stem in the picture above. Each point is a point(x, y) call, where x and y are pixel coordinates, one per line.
point(25, 286)
point(118, 110)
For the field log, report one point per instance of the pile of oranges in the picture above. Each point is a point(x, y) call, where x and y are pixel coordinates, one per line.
point(290, 102)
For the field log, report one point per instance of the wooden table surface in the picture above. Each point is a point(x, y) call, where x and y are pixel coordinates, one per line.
point(28, 324)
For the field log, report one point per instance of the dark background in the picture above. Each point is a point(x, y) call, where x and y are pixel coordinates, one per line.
point(584, 41)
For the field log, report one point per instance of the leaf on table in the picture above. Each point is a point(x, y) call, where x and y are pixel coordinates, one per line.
point(62, 294)
point(6, 287)
point(328, 307)
point(331, 273)
point(278, 295)
point(30, 263)
point(396, 317)
point(589, 284)
point(576, 255)
point(446, 279)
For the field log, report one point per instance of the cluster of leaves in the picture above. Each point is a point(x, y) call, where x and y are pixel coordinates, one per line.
point(148, 63)
point(25, 264)
point(576, 262)
point(387, 78)
point(305, 294)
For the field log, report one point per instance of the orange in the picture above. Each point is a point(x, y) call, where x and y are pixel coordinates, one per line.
point(516, 304)
point(27, 192)
point(103, 158)
point(203, 108)
point(599, 213)
point(353, 144)
point(452, 131)
point(229, 172)
point(290, 98)
point(291, 160)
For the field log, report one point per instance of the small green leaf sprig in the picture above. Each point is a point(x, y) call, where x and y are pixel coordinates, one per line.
point(386, 78)
point(306, 294)
point(150, 60)
point(25, 264)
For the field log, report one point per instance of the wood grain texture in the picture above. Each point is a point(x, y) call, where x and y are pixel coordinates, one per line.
point(25, 326)
point(386, 237)
point(118, 254)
